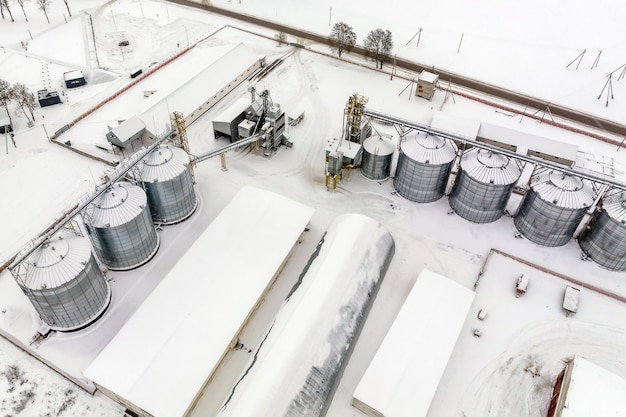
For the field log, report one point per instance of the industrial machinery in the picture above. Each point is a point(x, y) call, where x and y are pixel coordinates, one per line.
point(261, 116)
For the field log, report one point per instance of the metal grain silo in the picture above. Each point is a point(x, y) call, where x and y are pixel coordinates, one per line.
point(483, 186)
point(553, 208)
point(62, 280)
point(167, 179)
point(377, 156)
point(120, 227)
point(605, 242)
point(424, 163)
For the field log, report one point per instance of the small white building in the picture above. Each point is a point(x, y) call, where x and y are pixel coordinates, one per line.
point(74, 79)
point(164, 355)
point(426, 85)
point(403, 377)
point(584, 389)
point(126, 132)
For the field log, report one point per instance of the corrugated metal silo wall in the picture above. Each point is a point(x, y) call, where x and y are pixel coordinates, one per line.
point(479, 202)
point(419, 182)
point(605, 243)
point(376, 167)
point(128, 245)
point(74, 304)
point(546, 223)
point(173, 200)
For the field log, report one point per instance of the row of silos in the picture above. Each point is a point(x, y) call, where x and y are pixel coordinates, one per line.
point(549, 214)
point(61, 277)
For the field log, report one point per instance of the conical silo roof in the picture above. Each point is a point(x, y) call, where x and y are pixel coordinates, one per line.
point(428, 149)
point(563, 190)
point(615, 206)
point(118, 205)
point(376, 145)
point(163, 164)
point(56, 262)
point(490, 167)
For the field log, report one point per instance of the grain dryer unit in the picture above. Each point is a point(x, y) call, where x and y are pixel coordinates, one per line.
point(605, 241)
point(167, 179)
point(553, 208)
point(120, 227)
point(63, 281)
point(424, 163)
point(377, 157)
point(484, 185)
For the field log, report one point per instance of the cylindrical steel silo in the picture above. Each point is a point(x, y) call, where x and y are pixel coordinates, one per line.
point(120, 227)
point(484, 185)
point(377, 157)
point(553, 208)
point(166, 177)
point(424, 163)
point(605, 242)
point(64, 283)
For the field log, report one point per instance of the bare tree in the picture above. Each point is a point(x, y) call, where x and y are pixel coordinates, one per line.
point(379, 44)
point(21, 3)
point(25, 99)
point(342, 37)
point(68, 7)
point(44, 6)
point(5, 4)
point(7, 93)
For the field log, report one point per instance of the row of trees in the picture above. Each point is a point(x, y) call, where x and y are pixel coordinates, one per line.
point(19, 95)
point(43, 5)
point(378, 42)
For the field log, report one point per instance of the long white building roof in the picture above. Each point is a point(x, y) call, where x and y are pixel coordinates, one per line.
point(402, 379)
point(162, 357)
point(594, 391)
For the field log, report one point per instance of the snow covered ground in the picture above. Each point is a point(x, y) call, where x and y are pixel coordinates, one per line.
point(506, 371)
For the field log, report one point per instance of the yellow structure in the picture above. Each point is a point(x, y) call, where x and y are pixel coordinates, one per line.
point(178, 122)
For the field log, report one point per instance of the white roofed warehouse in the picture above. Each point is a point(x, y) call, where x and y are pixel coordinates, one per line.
point(163, 356)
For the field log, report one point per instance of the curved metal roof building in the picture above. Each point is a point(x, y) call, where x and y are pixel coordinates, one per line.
point(166, 177)
point(120, 227)
point(605, 241)
point(483, 186)
point(64, 283)
point(553, 208)
point(424, 163)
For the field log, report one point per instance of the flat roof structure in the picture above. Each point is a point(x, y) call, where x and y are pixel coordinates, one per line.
point(73, 75)
point(165, 354)
point(125, 131)
point(231, 65)
point(590, 390)
point(403, 377)
point(528, 144)
point(457, 125)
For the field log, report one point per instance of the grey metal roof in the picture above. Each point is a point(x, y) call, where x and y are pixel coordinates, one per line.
point(489, 167)
point(376, 145)
point(163, 164)
point(563, 190)
point(615, 207)
point(57, 262)
point(428, 149)
point(118, 205)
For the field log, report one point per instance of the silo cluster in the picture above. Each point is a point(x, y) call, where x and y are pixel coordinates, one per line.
point(167, 180)
point(424, 163)
point(553, 208)
point(484, 185)
point(377, 157)
point(120, 227)
point(62, 280)
point(605, 241)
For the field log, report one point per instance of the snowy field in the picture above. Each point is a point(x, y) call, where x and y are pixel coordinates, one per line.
point(508, 371)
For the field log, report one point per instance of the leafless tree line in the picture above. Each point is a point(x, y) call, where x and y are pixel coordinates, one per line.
point(19, 95)
point(378, 42)
point(42, 5)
